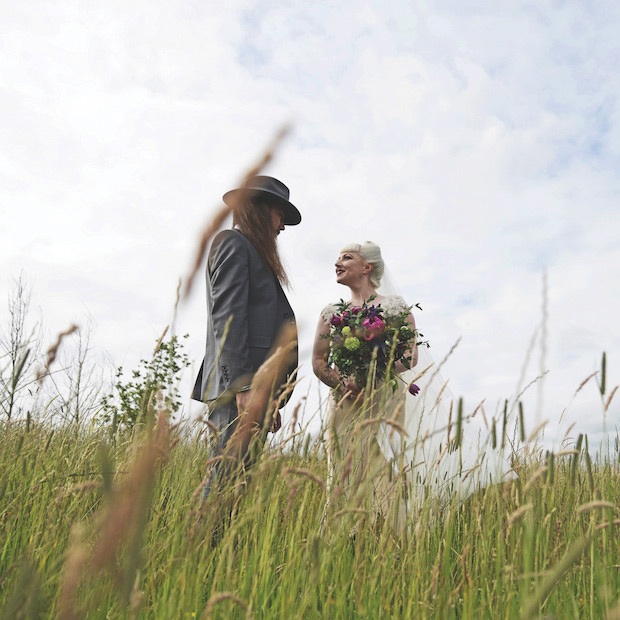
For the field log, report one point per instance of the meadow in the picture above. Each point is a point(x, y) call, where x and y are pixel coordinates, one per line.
point(101, 524)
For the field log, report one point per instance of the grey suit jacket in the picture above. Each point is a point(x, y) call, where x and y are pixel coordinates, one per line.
point(239, 285)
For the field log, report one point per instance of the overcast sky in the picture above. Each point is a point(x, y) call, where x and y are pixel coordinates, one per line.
point(477, 142)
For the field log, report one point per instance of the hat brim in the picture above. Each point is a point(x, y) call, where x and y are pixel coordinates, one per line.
point(292, 216)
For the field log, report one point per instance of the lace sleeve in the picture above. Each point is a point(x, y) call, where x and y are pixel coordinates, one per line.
point(328, 312)
point(394, 304)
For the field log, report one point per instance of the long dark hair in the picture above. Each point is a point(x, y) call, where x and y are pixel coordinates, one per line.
point(253, 218)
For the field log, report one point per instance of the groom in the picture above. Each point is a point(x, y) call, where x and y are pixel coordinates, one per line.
point(246, 308)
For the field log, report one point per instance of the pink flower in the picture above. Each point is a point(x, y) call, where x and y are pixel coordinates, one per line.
point(355, 310)
point(378, 325)
point(374, 327)
point(414, 390)
point(336, 320)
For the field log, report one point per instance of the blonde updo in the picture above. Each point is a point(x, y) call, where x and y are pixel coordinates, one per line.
point(371, 253)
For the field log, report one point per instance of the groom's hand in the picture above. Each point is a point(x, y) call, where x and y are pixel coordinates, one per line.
point(243, 400)
point(277, 423)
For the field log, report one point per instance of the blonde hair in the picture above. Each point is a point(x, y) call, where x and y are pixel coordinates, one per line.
point(371, 253)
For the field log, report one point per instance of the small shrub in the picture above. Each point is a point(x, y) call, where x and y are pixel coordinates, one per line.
point(131, 401)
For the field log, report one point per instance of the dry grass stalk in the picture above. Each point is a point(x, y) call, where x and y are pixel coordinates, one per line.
point(602, 526)
point(275, 365)
point(435, 575)
point(419, 375)
point(205, 480)
point(473, 469)
point(215, 459)
point(397, 426)
point(346, 396)
point(121, 520)
point(428, 434)
point(567, 433)
point(518, 513)
point(78, 488)
point(225, 596)
point(344, 511)
point(288, 388)
point(369, 422)
point(346, 471)
point(466, 577)
point(293, 488)
point(307, 473)
point(536, 431)
point(530, 609)
point(161, 339)
point(613, 392)
point(212, 427)
point(136, 599)
point(222, 213)
point(478, 408)
point(52, 352)
point(177, 300)
point(73, 570)
point(614, 614)
point(295, 416)
point(265, 379)
point(266, 463)
point(595, 504)
point(444, 387)
point(583, 383)
point(484, 416)
point(198, 490)
point(535, 476)
point(530, 384)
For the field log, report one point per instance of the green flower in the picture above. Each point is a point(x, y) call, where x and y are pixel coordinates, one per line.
point(352, 343)
point(346, 331)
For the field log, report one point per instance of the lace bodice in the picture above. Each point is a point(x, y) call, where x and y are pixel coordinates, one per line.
point(391, 304)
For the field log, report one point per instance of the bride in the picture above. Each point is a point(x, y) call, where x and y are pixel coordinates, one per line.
point(389, 449)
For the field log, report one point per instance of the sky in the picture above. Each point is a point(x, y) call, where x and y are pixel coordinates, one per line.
point(477, 142)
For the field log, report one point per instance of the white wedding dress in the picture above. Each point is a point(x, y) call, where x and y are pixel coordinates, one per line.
point(414, 436)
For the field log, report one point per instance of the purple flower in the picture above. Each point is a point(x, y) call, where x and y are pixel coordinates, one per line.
point(355, 310)
point(414, 389)
point(336, 320)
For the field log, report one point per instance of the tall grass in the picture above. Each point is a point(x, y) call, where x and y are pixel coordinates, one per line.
point(94, 527)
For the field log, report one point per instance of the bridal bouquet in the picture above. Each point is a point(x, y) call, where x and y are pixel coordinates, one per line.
point(359, 333)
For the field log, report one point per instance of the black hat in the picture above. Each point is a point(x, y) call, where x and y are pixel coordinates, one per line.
point(271, 191)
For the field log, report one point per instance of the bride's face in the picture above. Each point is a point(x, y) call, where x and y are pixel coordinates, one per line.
point(351, 268)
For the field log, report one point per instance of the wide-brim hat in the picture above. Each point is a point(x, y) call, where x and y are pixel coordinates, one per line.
point(262, 189)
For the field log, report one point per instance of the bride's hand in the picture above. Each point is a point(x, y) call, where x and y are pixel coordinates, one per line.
point(349, 387)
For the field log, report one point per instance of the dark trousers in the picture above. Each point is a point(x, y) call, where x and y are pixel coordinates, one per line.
point(224, 418)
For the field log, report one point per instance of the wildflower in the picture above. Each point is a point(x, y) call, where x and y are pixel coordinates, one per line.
point(352, 343)
point(414, 389)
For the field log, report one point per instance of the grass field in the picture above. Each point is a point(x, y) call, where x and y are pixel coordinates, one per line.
point(101, 527)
